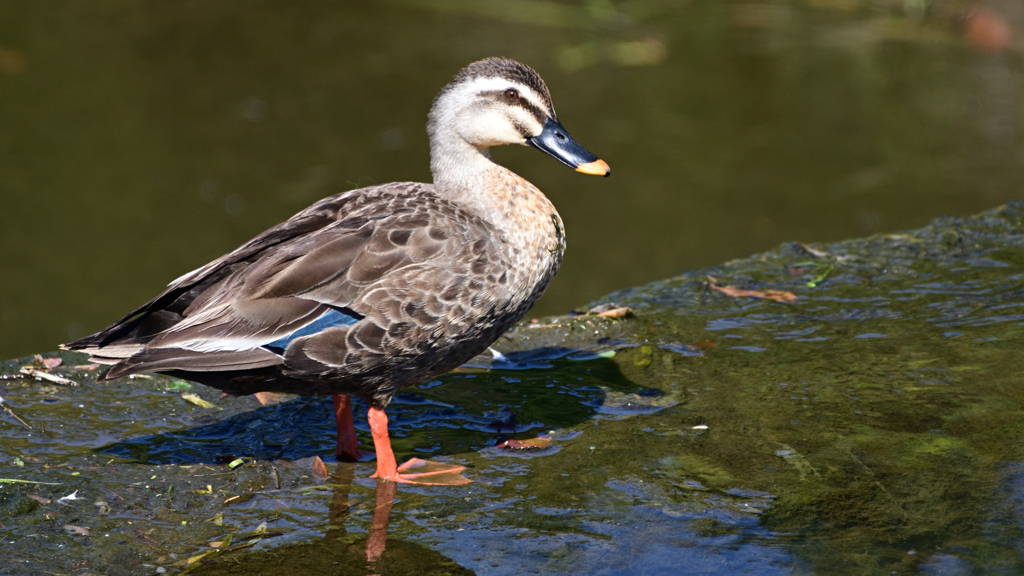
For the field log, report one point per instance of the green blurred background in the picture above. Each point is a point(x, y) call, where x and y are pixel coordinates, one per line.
point(138, 140)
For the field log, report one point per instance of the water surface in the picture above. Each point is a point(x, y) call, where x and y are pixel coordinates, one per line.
point(139, 140)
point(871, 426)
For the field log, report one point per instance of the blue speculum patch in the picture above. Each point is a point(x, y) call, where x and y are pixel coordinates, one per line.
point(331, 319)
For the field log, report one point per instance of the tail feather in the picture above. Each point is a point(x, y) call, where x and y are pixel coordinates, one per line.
point(113, 353)
point(168, 359)
point(137, 328)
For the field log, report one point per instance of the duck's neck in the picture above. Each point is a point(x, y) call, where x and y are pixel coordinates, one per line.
point(466, 175)
point(463, 173)
point(523, 216)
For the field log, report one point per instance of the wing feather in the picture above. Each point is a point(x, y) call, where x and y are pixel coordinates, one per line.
point(380, 253)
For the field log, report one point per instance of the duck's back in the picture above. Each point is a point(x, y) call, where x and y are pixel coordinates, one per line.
point(364, 292)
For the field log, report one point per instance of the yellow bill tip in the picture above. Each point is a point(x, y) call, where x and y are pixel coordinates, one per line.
point(597, 168)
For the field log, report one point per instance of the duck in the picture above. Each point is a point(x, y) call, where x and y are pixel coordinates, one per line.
point(376, 289)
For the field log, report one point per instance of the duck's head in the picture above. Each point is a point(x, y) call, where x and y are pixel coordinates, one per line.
point(500, 101)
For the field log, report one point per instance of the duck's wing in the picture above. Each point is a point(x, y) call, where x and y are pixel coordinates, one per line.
point(322, 272)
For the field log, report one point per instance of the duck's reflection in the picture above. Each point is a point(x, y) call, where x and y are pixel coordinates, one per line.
point(337, 553)
point(338, 511)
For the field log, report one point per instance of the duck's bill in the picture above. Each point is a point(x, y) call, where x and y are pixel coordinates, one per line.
point(555, 141)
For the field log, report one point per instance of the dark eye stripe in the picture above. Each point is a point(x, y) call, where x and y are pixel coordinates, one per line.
point(540, 114)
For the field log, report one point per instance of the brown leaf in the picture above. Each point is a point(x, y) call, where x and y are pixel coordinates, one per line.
point(77, 530)
point(39, 499)
point(732, 291)
point(530, 444)
point(319, 468)
point(620, 312)
point(266, 398)
point(52, 363)
point(704, 344)
point(610, 310)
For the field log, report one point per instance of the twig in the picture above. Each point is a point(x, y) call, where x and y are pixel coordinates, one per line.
point(109, 491)
point(16, 417)
point(277, 480)
point(33, 373)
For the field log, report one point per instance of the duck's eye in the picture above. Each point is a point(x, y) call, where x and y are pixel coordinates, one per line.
point(512, 94)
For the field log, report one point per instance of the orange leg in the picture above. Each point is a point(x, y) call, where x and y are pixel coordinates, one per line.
point(348, 445)
point(422, 471)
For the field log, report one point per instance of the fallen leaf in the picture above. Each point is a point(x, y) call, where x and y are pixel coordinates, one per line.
point(610, 310)
point(85, 367)
point(52, 363)
point(620, 312)
point(266, 398)
point(39, 499)
point(77, 530)
point(776, 295)
point(530, 444)
point(180, 385)
point(196, 399)
point(195, 558)
point(704, 344)
point(319, 468)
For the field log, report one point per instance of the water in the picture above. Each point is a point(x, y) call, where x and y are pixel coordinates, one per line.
point(139, 141)
point(871, 426)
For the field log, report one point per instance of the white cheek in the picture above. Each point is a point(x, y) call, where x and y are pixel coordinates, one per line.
point(489, 129)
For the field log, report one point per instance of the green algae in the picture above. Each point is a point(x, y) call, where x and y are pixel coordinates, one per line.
point(872, 427)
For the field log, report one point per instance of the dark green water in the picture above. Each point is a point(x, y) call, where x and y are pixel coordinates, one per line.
point(873, 426)
point(138, 140)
